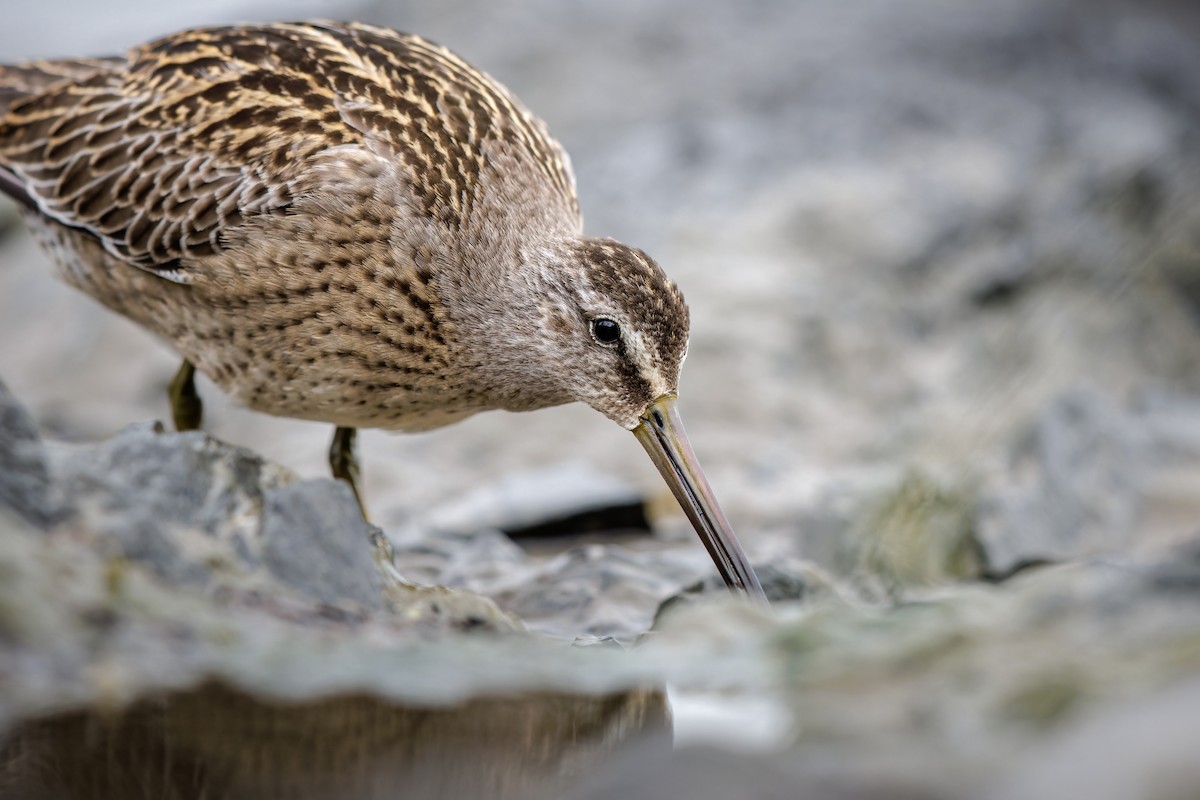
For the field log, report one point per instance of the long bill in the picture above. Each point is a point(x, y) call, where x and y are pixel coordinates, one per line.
point(661, 433)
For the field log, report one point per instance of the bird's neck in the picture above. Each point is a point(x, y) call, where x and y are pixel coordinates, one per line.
point(496, 303)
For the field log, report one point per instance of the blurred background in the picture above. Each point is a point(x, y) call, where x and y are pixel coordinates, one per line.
point(943, 260)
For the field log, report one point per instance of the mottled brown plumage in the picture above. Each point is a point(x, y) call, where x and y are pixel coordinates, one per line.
point(338, 222)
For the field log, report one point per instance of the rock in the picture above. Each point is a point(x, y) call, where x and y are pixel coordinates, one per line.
point(315, 541)
point(1055, 649)
point(658, 773)
point(920, 534)
point(592, 589)
point(1080, 474)
point(1079, 677)
point(191, 593)
point(597, 587)
point(183, 555)
point(184, 505)
point(194, 619)
point(25, 485)
point(781, 585)
point(891, 532)
point(1091, 478)
point(1139, 749)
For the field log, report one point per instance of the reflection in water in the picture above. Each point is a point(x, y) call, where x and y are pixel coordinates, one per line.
point(220, 743)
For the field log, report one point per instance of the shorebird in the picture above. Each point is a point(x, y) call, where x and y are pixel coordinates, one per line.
point(344, 223)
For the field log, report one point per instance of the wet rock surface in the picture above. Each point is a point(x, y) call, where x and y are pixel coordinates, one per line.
point(944, 375)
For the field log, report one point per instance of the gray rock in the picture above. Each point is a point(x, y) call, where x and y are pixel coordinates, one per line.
point(1140, 749)
point(185, 505)
point(888, 533)
point(593, 589)
point(1092, 477)
point(25, 485)
point(194, 510)
point(1081, 679)
point(315, 541)
point(646, 772)
point(780, 584)
point(1079, 480)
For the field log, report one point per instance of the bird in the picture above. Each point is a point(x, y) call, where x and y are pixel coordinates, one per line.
point(339, 222)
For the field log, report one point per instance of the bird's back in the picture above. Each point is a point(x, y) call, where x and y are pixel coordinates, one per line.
point(159, 154)
point(20, 81)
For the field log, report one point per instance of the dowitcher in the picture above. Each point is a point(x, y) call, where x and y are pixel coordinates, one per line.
point(343, 223)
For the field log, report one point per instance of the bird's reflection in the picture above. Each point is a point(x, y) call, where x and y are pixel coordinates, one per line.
point(216, 742)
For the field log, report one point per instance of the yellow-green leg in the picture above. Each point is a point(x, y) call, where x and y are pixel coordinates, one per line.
point(344, 462)
point(186, 408)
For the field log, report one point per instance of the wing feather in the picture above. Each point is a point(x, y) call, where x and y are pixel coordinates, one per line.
point(160, 152)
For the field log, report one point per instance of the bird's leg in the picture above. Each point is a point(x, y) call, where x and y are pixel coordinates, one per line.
point(186, 408)
point(344, 463)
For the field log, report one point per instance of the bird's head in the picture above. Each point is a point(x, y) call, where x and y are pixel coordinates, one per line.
point(611, 325)
point(599, 322)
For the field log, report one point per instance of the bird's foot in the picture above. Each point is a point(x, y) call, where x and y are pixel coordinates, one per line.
point(343, 462)
point(186, 409)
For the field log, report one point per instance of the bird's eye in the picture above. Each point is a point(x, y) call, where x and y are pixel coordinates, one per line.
point(606, 331)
